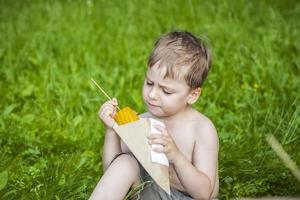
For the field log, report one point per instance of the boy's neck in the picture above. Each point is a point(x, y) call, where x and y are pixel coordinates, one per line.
point(176, 118)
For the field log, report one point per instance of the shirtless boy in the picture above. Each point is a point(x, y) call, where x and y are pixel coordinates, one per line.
point(177, 68)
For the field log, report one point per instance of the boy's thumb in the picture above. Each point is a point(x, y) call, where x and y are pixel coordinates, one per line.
point(114, 101)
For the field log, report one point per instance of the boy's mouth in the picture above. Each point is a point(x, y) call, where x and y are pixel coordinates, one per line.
point(152, 105)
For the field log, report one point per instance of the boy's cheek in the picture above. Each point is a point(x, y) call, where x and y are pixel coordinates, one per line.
point(145, 91)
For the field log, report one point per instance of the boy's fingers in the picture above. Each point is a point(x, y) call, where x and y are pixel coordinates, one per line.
point(154, 136)
point(157, 136)
point(110, 103)
point(159, 150)
point(107, 112)
point(114, 101)
point(158, 141)
point(107, 105)
point(103, 107)
point(161, 129)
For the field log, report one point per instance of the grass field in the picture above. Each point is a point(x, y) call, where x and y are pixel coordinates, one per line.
point(50, 135)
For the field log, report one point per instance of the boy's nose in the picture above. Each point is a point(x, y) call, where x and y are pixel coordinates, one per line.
point(153, 94)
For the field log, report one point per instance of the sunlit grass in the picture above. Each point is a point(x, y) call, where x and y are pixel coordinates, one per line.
point(50, 135)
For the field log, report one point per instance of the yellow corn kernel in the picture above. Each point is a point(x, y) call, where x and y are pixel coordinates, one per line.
point(126, 115)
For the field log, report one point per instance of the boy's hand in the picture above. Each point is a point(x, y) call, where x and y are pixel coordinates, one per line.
point(169, 147)
point(107, 112)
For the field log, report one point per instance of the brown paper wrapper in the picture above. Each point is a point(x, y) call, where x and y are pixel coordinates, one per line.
point(134, 135)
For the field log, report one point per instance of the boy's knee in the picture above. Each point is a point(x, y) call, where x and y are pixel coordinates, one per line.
point(128, 163)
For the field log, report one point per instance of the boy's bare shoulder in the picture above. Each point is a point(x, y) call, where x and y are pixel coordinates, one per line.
point(205, 131)
point(145, 115)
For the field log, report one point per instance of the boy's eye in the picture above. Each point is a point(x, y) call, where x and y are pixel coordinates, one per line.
point(167, 93)
point(149, 83)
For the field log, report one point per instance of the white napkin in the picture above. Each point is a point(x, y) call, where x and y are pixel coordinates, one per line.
point(156, 157)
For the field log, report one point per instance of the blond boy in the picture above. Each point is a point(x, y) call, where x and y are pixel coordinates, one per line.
point(177, 68)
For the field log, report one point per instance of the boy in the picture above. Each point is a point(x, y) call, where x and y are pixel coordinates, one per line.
point(177, 68)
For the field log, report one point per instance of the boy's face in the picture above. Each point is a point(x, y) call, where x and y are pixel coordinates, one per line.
point(165, 96)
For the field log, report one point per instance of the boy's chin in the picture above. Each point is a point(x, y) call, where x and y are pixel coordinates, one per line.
point(157, 114)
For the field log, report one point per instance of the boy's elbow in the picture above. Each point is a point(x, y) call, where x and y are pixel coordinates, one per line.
point(206, 192)
point(105, 163)
point(104, 167)
point(203, 196)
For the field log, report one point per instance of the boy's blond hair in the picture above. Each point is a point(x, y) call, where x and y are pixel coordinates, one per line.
point(182, 51)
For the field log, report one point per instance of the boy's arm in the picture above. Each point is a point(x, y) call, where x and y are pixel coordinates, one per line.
point(111, 147)
point(199, 178)
point(112, 141)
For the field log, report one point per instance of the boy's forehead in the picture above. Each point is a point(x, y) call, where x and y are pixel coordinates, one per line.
point(177, 73)
point(161, 73)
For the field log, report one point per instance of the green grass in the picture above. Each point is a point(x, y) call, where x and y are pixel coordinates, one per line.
point(50, 135)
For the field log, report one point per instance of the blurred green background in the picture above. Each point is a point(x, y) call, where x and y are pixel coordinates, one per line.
point(50, 134)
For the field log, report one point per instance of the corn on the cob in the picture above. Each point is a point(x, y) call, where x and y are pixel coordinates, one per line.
point(126, 115)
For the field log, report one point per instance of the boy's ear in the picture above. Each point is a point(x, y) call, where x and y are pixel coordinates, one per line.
point(194, 95)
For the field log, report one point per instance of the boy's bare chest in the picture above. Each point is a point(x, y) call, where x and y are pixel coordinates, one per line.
point(184, 140)
point(183, 137)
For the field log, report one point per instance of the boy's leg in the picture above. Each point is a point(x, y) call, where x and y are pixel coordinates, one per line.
point(123, 173)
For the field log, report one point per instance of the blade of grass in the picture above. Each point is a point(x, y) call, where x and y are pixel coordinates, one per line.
point(289, 163)
point(135, 191)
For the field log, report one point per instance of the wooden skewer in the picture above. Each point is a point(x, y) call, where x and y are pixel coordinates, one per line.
point(102, 91)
